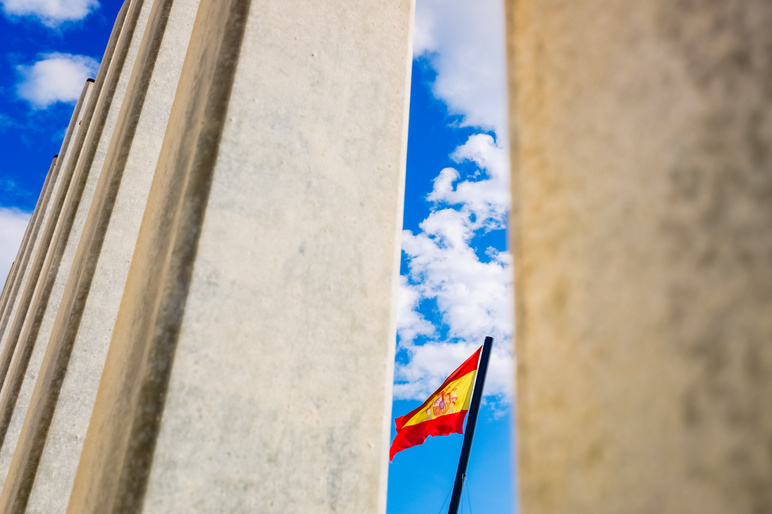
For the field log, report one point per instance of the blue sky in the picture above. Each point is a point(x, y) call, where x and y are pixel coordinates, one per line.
point(456, 272)
point(456, 276)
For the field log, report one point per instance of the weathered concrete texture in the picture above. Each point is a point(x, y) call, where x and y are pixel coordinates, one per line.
point(48, 295)
point(53, 199)
point(643, 194)
point(22, 255)
point(268, 252)
point(53, 432)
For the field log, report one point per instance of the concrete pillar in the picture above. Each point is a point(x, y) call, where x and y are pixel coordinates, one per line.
point(27, 233)
point(26, 251)
point(52, 437)
point(250, 367)
point(643, 198)
point(37, 325)
point(22, 255)
point(11, 326)
point(29, 267)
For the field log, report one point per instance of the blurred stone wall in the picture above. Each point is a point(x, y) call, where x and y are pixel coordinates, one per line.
point(642, 231)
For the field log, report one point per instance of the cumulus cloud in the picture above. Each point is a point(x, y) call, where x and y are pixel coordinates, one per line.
point(13, 223)
point(50, 12)
point(470, 290)
point(455, 289)
point(410, 324)
point(54, 78)
point(487, 199)
point(463, 42)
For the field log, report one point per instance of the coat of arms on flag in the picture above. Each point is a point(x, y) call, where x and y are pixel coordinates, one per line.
point(442, 413)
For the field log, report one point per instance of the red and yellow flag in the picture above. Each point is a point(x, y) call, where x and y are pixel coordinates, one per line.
point(443, 413)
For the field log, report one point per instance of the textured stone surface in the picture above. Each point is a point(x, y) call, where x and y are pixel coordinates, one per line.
point(268, 252)
point(643, 200)
point(64, 394)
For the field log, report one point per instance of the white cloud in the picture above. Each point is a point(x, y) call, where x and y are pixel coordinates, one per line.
point(432, 362)
point(410, 324)
point(464, 43)
point(13, 223)
point(467, 289)
point(489, 198)
point(50, 12)
point(473, 296)
point(55, 78)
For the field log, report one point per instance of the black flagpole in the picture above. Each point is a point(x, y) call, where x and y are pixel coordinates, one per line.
point(474, 408)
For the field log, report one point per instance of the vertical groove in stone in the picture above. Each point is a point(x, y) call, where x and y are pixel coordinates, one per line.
point(103, 256)
point(131, 441)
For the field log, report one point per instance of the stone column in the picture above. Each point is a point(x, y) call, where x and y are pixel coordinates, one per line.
point(37, 325)
point(27, 233)
point(13, 321)
point(22, 255)
point(643, 238)
point(251, 363)
point(52, 437)
point(28, 268)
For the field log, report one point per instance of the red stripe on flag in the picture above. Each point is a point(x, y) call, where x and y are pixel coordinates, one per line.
point(416, 434)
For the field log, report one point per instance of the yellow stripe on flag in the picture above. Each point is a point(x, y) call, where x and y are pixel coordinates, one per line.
point(454, 397)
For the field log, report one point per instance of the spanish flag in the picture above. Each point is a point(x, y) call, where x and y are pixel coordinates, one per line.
point(443, 413)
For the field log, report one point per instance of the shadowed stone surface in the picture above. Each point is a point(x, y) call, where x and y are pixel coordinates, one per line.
point(643, 243)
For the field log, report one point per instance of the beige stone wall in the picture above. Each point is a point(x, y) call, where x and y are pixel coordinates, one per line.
point(643, 200)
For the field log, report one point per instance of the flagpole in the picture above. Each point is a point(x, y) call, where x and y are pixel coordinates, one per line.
point(474, 408)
